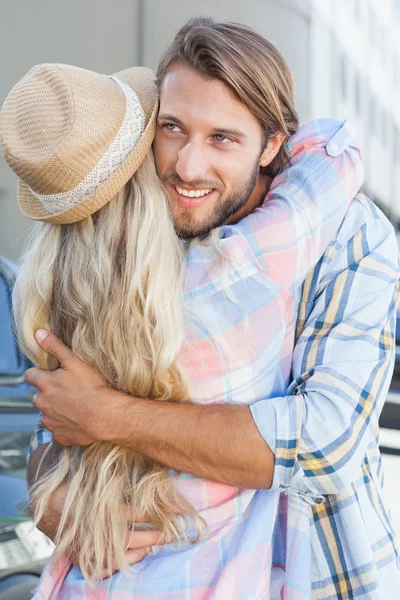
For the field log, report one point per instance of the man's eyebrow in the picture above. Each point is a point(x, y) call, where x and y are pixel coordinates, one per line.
point(164, 117)
point(230, 132)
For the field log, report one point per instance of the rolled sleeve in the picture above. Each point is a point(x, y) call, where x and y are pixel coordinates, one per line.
point(279, 423)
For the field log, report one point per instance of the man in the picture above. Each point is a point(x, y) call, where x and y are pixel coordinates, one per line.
point(316, 448)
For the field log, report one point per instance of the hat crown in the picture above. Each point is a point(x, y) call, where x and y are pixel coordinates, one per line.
point(37, 115)
point(74, 137)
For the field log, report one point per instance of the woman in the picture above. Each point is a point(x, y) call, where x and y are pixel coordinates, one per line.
point(95, 274)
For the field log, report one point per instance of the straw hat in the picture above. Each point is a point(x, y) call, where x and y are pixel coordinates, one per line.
point(75, 137)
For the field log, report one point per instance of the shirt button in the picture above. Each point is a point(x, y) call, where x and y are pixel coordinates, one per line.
point(320, 500)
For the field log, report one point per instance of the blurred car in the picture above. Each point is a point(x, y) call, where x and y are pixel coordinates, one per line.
point(23, 548)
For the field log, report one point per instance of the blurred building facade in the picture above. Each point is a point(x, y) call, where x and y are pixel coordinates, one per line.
point(355, 74)
point(345, 55)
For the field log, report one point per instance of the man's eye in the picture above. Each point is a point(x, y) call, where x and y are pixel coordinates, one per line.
point(222, 138)
point(170, 127)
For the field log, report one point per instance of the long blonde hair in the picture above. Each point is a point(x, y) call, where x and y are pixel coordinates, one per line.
point(111, 288)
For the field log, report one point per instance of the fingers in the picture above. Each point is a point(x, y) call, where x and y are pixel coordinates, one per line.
point(139, 539)
point(34, 376)
point(35, 398)
point(132, 557)
point(52, 345)
point(135, 556)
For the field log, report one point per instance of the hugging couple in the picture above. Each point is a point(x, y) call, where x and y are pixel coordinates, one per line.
point(210, 303)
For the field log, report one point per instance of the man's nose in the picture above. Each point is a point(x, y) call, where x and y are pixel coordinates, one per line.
point(192, 164)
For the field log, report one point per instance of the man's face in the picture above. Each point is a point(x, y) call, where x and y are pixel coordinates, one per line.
point(208, 151)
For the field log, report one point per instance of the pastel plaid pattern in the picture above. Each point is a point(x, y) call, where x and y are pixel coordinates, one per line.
point(306, 257)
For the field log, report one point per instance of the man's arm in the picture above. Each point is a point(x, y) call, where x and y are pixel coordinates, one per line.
point(216, 442)
point(157, 431)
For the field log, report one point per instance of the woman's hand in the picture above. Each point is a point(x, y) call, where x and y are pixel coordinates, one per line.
point(138, 543)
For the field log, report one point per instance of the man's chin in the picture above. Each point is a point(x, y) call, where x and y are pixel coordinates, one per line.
point(191, 224)
point(192, 230)
point(192, 233)
point(188, 227)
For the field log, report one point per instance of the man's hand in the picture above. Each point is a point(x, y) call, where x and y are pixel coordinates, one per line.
point(70, 397)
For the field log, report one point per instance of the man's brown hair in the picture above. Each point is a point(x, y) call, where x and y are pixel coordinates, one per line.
point(250, 66)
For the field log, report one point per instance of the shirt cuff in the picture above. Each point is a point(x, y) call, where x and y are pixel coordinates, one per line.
point(279, 421)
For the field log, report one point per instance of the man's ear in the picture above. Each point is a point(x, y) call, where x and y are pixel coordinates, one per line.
point(271, 149)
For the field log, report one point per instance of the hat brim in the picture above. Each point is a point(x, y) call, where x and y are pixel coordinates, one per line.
point(141, 80)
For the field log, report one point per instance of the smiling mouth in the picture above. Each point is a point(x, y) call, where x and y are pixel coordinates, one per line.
point(193, 193)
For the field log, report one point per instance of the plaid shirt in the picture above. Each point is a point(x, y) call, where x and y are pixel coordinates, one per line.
point(322, 531)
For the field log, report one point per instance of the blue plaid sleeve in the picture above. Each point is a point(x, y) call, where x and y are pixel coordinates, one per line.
point(342, 361)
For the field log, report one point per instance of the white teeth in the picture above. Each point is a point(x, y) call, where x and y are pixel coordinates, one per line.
point(192, 193)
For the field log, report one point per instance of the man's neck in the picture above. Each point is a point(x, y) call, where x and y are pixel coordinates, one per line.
point(256, 199)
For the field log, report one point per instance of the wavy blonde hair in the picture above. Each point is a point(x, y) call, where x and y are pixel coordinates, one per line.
point(111, 288)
